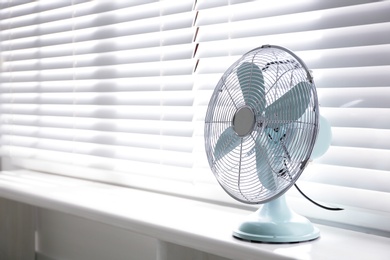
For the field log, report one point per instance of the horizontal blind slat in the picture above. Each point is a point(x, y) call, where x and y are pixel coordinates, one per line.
point(357, 117)
point(102, 169)
point(168, 98)
point(157, 83)
point(307, 21)
point(266, 7)
point(91, 14)
point(71, 47)
point(360, 97)
point(140, 140)
point(28, 147)
point(166, 53)
point(25, 8)
point(361, 137)
point(366, 158)
point(344, 176)
point(172, 113)
point(177, 67)
point(143, 126)
point(128, 42)
point(344, 37)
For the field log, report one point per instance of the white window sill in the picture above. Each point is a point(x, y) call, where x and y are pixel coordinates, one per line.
point(185, 222)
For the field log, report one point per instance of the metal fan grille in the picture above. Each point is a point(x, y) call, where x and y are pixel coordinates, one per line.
point(258, 166)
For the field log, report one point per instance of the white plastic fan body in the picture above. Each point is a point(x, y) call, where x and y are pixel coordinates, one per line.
point(260, 129)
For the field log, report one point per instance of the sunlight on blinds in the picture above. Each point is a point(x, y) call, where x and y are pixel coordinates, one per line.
point(112, 90)
point(98, 84)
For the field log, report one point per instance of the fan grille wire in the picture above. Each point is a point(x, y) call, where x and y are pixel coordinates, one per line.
point(278, 148)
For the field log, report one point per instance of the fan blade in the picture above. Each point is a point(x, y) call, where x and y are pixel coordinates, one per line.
point(264, 170)
point(226, 143)
point(251, 82)
point(284, 111)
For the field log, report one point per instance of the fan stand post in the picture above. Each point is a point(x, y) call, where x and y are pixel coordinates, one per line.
point(275, 222)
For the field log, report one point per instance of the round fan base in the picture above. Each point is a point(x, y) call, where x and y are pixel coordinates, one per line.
point(275, 222)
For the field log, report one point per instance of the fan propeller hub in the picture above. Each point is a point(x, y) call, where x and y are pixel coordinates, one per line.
point(244, 121)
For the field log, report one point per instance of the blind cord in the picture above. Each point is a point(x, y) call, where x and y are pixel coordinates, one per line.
point(316, 203)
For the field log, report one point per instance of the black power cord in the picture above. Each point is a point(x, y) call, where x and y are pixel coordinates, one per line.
point(316, 203)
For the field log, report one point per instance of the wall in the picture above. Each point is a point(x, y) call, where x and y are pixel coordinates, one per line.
point(17, 230)
point(63, 236)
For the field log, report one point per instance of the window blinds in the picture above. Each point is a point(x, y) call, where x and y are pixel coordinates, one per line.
point(98, 84)
point(110, 90)
point(347, 46)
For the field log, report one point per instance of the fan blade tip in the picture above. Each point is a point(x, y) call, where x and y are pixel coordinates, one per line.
point(251, 82)
point(265, 177)
point(247, 66)
point(280, 106)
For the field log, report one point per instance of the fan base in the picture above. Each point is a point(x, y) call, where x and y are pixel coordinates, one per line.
point(275, 222)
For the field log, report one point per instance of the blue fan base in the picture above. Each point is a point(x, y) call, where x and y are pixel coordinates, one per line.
point(275, 222)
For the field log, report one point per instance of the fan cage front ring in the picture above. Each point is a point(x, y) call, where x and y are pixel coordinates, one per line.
point(261, 164)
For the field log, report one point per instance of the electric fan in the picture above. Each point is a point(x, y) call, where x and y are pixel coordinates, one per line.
point(261, 127)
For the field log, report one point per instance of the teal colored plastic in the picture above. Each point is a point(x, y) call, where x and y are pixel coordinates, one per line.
point(251, 82)
point(226, 143)
point(289, 107)
point(275, 222)
point(324, 139)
